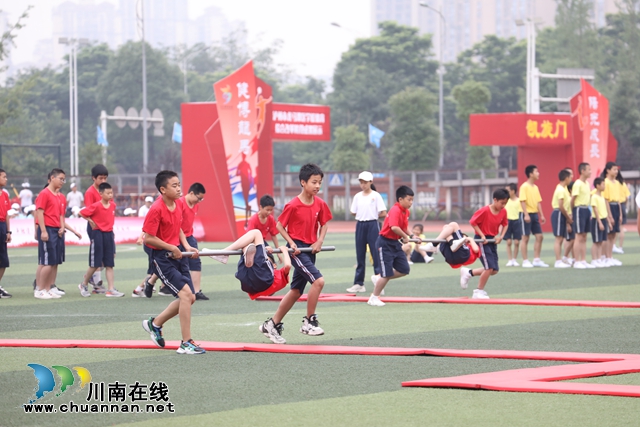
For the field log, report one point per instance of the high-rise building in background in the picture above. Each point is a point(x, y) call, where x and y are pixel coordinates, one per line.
point(469, 21)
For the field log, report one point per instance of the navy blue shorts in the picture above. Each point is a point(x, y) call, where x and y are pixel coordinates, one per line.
point(304, 265)
point(458, 257)
point(149, 253)
point(174, 273)
point(195, 264)
point(558, 223)
point(259, 276)
point(489, 254)
point(62, 247)
point(49, 251)
point(416, 257)
point(532, 227)
point(514, 230)
point(597, 235)
point(623, 208)
point(4, 254)
point(102, 249)
point(615, 216)
point(392, 257)
point(581, 219)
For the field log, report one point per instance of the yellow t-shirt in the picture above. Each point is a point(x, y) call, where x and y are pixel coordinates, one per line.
point(612, 190)
point(624, 193)
point(413, 245)
point(561, 192)
point(530, 194)
point(597, 201)
point(581, 191)
point(514, 208)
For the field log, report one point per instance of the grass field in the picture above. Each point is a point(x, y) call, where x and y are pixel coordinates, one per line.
point(265, 389)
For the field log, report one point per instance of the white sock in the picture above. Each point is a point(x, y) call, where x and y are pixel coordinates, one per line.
point(96, 277)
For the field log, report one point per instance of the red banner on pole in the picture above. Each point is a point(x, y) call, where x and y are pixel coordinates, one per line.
point(298, 122)
point(592, 111)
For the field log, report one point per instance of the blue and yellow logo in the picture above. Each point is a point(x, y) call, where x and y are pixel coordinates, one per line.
point(47, 383)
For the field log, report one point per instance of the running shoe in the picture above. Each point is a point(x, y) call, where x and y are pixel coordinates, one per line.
point(190, 347)
point(155, 333)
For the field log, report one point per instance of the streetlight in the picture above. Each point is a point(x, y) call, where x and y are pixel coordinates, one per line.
point(145, 111)
point(440, 74)
point(533, 103)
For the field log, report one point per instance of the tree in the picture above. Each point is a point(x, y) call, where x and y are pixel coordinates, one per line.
point(349, 153)
point(472, 98)
point(412, 140)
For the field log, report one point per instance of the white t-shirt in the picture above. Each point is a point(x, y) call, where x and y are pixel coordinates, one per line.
point(142, 212)
point(74, 198)
point(638, 200)
point(367, 207)
point(26, 197)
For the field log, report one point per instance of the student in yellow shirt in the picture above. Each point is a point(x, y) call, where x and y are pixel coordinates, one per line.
point(515, 228)
point(530, 200)
point(611, 193)
point(580, 196)
point(416, 253)
point(624, 196)
point(568, 257)
point(561, 219)
point(599, 224)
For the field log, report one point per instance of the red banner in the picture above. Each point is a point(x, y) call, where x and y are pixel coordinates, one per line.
point(298, 122)
point(591, 109)
point(520, 129)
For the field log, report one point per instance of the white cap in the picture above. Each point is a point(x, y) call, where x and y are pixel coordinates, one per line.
point(148, 199)
point(75, 209)
point(129, 211)
point(365, 176)
point(29, 208)
point(26, 185)
point(12, 212)
point(73, 184)
point(15, 206)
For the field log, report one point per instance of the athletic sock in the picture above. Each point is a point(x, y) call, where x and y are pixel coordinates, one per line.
point(154, 325)
point(471, 272)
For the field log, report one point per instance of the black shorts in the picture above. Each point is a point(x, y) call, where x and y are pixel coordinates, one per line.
point(195, 264)
point(581, 219)
point(489, 254)
point(597, 235)
point(102, 249)
point(49, 251)
point(4, 254)
point(558, 223)
point(259, 276)
point(304, 265)
point(416, 257)
point(623, 208)
point(149, 253)
point(174, 273)
point(458, 257)
point(514, 230)
point(532, 227)
point(391, 256)
point(615, 216)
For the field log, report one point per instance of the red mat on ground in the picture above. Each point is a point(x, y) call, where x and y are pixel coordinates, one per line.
point(537, 380)
point(465, 300)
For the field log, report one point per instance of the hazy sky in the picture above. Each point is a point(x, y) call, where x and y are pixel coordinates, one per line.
point(311, 45)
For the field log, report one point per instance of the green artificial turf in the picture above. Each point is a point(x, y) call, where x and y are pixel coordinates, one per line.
point(231, 388)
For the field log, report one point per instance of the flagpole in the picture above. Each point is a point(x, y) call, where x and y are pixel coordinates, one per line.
point(103, 119)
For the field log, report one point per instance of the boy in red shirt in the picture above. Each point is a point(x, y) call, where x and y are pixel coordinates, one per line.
point(5, 230)
point(489, 222)
point(99, 174)
point(102, 252)
point(458, 250)
point(393, 260)
point(263, 220)
point(163, 233)
point(303, 224)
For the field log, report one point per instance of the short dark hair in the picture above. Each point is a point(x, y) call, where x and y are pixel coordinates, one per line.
point(55, 172)
point(163, 177)
point(196, 188)
point(501, 194)
point(597, 181)
point(308, 170)
point(2, 170)
point(104, 186)
point(563, 174)
point(420, 226)
point(98, 170)
point(267, 200)
point(529, 170)
point(402, 192)
point(582, 166)
point(513, 187)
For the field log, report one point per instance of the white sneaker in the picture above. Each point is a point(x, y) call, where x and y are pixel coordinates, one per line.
point(561, 264)
point(539, 263)
point(479, 294)
point(428, 259)
point(509, 264)
point(587, 265)
point(569, 261)
point(615, 262)
point(617, 250)
point(465, 275)
point(53, 295)
point(429, 247)
point(56, 291)
point(526, 263)
point(455, 245)
point(375, 301)
point(581, 265)
point(410, 262)
point(84, 291)
point(597, 264)
point(356, 288)
point(220, 258)
point(514, 263)
point(41, 294)
point(311, 326)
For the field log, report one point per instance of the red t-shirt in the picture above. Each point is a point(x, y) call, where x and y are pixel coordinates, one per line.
point(303, 221)
point(398, 217)
point(473, 256)
point(5, 205)
point(488, 222)
point(280, 280)
point(91, 196)
point(188, 216)
point(163, 223)
point(103, 217)
point(52, 206)
point(267, 229)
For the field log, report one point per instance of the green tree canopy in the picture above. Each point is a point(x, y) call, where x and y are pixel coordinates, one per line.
point(350, 149)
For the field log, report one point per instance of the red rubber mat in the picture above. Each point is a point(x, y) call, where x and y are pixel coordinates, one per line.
point(465, 300)
point(535, 380)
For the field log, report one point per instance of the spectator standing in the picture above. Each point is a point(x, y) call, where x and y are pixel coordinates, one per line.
point(74, 199)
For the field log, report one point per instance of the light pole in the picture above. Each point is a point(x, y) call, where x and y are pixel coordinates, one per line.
point(145, 111)
point(443, 30)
